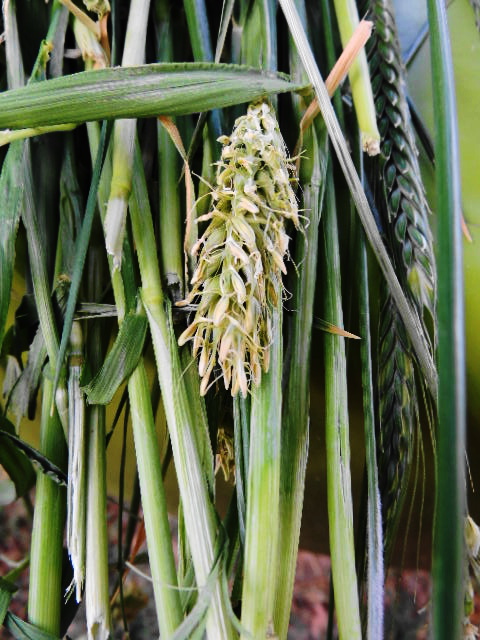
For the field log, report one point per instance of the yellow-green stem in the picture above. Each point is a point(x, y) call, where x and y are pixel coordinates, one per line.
point(46, 553)
point(198, 509)
point(262, 520)
point(359, 75)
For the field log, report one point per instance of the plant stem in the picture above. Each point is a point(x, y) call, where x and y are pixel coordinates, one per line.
point(450, 503)
point(340, 511)
point(262, 520)
point(198, 511)
point(46, 553)
point(97, 603)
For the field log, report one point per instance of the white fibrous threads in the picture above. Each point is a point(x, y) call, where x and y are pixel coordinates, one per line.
point(238, 278)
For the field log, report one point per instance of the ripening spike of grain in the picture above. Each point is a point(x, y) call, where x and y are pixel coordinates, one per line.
point(402, 205)
point(398, 410)
point(242, 252)
point(401, 196)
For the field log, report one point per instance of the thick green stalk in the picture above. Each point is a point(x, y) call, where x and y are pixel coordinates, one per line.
point(347, 18)
point(450, 508)
point(46, 552)
point(263, 486)
point(154, 504)
point(198, 510)
point(340, 511)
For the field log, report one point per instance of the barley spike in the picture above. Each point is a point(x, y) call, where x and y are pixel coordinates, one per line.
point(401, 202)
point(398, 412)
point(242, 253)
point(403, 206)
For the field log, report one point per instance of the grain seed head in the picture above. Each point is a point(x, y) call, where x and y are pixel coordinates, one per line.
point(242, 252)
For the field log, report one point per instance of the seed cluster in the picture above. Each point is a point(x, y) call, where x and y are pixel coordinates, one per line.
point(237, 280)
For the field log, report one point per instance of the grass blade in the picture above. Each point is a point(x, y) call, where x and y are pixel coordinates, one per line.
point(448, 545)
point(340, 510)
point(148, 90)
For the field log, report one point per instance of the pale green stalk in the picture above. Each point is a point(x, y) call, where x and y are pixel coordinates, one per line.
point(124, 138)
point(375, 564)
point(359, 75)
point(296, 417)
point(263, 485)
point(36, 248)
point(8, 135)
point(296, 404)
point(97, 605)
point(46, 551)
point(76, 490)
point(160, 551)
point(198, 510)
point(409, 317)
point(97, 602)
point(340, 510)
point(450, 501)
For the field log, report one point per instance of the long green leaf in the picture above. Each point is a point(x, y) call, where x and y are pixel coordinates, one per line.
point(448, 545)
point(147, 90)
point(340, 509)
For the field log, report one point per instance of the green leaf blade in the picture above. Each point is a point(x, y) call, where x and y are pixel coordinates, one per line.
point(120, 362)
point(142, 91)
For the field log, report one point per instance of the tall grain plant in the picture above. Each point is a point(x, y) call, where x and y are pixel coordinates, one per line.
point(159, 240)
